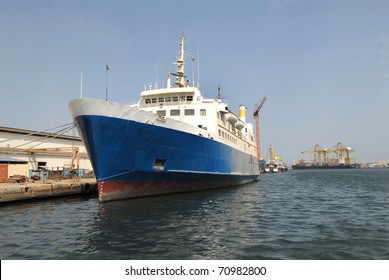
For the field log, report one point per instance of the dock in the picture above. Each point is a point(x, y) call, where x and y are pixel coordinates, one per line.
point(35, 190)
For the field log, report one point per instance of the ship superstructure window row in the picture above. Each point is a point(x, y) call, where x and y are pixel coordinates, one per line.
point(168, 100)
point(226, 135)
point(177, 112)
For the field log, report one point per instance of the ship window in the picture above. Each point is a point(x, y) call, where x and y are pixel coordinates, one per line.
point(161, 113)
point(203, 112)
point(189, 112)
point(160, 99)
point(154, 100)
point(189, 98)
point(147, 101)
point(168, 99)
point(175, 112)
point(175, 98)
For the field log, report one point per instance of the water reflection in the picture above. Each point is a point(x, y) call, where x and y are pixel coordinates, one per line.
point(199, 225)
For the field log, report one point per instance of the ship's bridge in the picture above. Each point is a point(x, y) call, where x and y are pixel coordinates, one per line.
point(170, 96)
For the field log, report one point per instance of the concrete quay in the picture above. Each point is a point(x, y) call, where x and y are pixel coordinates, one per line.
point(35, 190)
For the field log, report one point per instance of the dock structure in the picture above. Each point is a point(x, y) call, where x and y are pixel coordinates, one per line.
point(34, 190)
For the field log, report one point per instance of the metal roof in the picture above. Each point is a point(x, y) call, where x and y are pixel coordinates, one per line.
point(14, 160)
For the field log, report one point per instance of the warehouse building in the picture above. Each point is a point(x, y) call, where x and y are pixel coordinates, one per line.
point(25, 152)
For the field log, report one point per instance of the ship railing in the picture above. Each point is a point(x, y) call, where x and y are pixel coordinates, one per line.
point(132, 104)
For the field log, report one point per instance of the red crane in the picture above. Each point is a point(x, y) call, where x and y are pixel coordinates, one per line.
point(257, 129)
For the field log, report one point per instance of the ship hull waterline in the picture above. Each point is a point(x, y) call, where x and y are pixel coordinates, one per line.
point(117, 190)
point(133, 159)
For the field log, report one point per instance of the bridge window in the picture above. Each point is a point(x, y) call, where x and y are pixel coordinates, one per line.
point(189, 98)
point(168, 99)
point(160, 99)
point(147, 101)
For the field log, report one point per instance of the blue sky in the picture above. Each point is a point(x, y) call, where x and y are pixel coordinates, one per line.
point(323, 65)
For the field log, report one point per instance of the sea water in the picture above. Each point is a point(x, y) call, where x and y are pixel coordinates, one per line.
point(302, 214)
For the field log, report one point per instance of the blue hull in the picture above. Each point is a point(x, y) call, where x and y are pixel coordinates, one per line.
point(132, 159)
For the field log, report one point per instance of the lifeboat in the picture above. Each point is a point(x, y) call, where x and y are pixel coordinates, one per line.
point(232, 118)
point(239, 124)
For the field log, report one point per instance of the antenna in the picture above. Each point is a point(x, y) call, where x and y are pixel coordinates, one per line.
point(169, 85)
point(156, 77)
point(81, 87)
point(106, 82)
point(180, 76)
point(198, 65)
point(193, 80)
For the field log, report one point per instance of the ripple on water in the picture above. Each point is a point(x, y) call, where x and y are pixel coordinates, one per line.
point(330, 214)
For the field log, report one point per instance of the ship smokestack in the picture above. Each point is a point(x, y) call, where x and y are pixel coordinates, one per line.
point(242, 113)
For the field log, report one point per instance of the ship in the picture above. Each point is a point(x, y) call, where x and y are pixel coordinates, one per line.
point(321, 159)
point(275, 163)
point(172, 140)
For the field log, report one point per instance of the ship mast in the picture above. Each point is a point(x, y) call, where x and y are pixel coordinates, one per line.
point(180, 76)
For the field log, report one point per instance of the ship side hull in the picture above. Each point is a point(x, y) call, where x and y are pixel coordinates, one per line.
point(133, 159)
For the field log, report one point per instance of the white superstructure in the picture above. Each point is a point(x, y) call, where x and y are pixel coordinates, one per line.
point(186, 104)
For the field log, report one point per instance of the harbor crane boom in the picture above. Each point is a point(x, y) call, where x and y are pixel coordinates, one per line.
point(257, 128)
point(320, 155)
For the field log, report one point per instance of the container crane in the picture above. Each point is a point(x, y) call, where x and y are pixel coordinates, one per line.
point(343, 153)
point(257, 128)
point(320, 155)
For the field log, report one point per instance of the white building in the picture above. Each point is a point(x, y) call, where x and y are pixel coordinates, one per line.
point(24, 151)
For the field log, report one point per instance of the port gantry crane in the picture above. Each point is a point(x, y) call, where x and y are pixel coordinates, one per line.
point(340, 150)
point(257, 128)
point(320, 155)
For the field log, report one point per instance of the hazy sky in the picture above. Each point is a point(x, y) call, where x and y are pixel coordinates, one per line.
point(323, 65)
